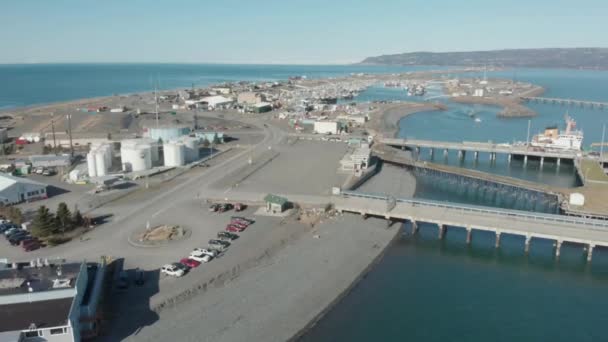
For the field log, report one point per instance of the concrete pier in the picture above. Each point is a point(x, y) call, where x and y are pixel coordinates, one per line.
point(509, 157)
point(497, 242)
point(431, 152)
point(414, 227)
point(590, 252)
point(445, 153)
point(476, 154)
point(559, 161)
point(461, 154)
point(558, 247)
point(525, 160)
point(469, 235)
point(442, 231)
point(542, 161)
point(527, 244)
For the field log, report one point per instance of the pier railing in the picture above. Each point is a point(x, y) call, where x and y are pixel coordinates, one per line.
point(507, 213)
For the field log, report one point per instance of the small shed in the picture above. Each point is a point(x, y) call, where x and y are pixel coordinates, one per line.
point(275, 204)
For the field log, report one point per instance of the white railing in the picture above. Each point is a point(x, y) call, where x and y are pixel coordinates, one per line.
point(486, 210)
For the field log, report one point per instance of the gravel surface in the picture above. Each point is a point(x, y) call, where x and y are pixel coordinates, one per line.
point(278, 299)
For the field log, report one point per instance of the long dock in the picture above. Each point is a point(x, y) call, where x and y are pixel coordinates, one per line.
point(392, 156)
point(476, 147)
point(559, 228)
point(565, 102)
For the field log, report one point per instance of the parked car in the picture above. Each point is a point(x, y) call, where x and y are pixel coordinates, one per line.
point(10, 231)
point(227, 236)
point(172, 270)
point(138, 279)
point(199, 257)
point(38, 170)
point(17, 233)
point(16, 239)
point(210, 252)
point(239, 206)
point(225, 207)
point(214, 207)
point(242, 225)
point(233, 229)
point(190, 262)
point(48, 172)
point(243, 219)
point(219, 244)
point(123, 280)
point(30, 247)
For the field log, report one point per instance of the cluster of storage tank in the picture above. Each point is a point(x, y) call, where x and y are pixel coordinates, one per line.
point(99, 160)
point(138, 154)
point(180, 151)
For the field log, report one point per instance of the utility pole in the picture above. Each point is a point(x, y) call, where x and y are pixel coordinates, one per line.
point(53, 130)
point(69, 117)
point(528, 137)
point(156, 103)
point(602, 145)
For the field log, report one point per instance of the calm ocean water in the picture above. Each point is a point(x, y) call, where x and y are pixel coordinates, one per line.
point(424, 289)
point(22, 85)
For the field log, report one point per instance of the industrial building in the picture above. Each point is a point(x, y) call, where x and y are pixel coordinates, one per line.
point(250, 98)
point(356, 160)
point(139, 154)
point(326, 127)
point(166, 133)
point(50, 160)
point(99, 160)
point(210, 137)
point(217, 102)
point(276, 204)
point(15, 190)
point(42, 301)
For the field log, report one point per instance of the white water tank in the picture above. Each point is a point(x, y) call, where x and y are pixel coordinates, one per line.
point(174, 153)
point(142, 158)
point(100, 163)
point(92, 167)
point(191, 146)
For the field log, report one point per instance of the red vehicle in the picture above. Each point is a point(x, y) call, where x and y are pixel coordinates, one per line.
point(239, 224)
point(189, 262)
point(233, 229)
point(28, 247)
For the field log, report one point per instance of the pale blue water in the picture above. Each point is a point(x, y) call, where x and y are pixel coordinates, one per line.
point(424, 289)
point(430, 290)
point(22, 85)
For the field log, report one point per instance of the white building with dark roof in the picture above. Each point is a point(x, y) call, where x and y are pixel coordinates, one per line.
point(49, 302)
point(15, 190)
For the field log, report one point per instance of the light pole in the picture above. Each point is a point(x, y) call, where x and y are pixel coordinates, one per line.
point(69, 117)
point(602, 145)
point(528, 137)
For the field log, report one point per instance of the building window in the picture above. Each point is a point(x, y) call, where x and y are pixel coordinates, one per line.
point(58, 331)
point(32, 333)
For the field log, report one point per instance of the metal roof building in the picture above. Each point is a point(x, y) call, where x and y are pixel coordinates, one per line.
point(16, 190)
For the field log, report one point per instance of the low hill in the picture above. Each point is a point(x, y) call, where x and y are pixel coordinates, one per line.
point(578, 58)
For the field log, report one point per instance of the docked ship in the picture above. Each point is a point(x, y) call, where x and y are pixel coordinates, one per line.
point(552, 138)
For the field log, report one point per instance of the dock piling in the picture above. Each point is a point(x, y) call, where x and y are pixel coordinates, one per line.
point(497, 242)
point(469, 235)
point(414, 227)
point(442, 231)
point(558, 247)
point(527, 244)
point(590, 253)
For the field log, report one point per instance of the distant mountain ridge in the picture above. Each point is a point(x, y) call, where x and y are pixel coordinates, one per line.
point(577, 58)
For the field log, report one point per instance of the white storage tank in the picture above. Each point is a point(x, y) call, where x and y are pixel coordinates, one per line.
point(100, 163)
point(91, 165)
point(192, 151)
point(174, 153)
point(142, 158)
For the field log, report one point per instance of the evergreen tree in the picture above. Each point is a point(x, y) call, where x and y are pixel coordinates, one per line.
point(77, 219)
point(43, 224)
point(63, 218)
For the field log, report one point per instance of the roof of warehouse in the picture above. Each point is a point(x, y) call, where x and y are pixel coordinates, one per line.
point(46, 313)
point(7, 180)
point(274, 199)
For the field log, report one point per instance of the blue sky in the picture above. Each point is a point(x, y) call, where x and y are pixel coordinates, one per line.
point(288, 31)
